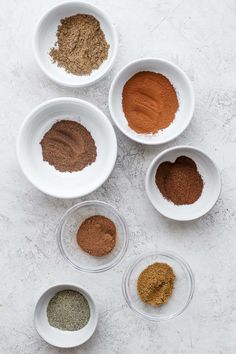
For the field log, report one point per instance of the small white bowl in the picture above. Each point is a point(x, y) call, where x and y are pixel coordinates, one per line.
point(184, 90)
point(55, 336)
point(45, 38)
point(45, 177)
point(211, 189)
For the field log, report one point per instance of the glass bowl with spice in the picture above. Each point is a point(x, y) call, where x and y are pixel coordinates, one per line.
point(65, 315)
point(75, 44)
point(183, 183)
point(151, 101)
point(92, 236)
point(159, 285)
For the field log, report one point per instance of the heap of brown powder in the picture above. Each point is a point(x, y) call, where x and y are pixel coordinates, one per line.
point(68, 146)
point(179, 182)
point(81, 45)
point(156, 283)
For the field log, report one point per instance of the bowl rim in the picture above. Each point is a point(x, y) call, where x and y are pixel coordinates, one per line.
point(116, 259)
point(159, 156)
point(134, 136)
point(32, 115)
point(168, 254)
point(87, 296)
point(94, 9)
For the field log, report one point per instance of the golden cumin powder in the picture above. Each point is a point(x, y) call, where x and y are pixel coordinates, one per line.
point(81, 45)
point(156, 283)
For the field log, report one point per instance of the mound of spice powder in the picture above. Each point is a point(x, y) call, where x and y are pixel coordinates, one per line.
point(149, 102)
point(68, 146)
point(97, 235)
point(179, 182)
point(81, 45)
point(156, 283)
point(68, 310)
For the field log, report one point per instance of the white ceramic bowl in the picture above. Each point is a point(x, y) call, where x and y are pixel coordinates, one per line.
point(211, 189)
point(183, 287)
point(67, 231)
point(184, 90)
point(45, 38)
point(45, 177)
point(55, 336)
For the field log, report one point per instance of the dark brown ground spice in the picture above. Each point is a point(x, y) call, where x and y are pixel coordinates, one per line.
point(68, 146)
point(156, 283)
point(97, 235)
point(179, 182)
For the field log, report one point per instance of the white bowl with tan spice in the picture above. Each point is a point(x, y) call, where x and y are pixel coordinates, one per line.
point(134, 109)
point(181, 191)
point(79, 53)
point(60, 329)
point(147, 297)
point(66, 147)
point(92, 236)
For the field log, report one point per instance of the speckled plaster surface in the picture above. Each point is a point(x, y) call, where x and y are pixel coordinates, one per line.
point(200, 37)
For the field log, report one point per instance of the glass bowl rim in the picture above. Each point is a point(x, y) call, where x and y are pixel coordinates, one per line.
point(176, 258)
point(120, 254)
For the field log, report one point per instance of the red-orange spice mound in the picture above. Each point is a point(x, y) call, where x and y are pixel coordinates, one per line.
point(149, 102)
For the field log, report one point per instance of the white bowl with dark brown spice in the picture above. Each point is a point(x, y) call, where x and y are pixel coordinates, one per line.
point(177, 80)
point(84, 222)
point(66, 147)
point(183, 183)
point(70, 68)
point(51, 327)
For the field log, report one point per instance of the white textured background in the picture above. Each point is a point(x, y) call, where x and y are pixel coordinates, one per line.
point(200, 37)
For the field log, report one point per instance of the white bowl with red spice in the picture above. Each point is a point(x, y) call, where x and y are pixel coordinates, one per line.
point(45, 39)
point(183, 192)
point(67, 236)
point(177, 88)
point(182, 292)
point(51, 178)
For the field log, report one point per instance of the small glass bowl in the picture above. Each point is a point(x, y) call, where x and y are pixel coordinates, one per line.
point(182, 293)
point(67, 231)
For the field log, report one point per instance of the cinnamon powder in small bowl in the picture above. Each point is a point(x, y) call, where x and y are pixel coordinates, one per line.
point(97, 235)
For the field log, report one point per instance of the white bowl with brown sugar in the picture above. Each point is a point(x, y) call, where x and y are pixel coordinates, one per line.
point(82, 64)
point(61, 160)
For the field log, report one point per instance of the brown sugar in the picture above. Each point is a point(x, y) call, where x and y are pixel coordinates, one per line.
point(97, 235)
point(149, 102)
point(156, 283)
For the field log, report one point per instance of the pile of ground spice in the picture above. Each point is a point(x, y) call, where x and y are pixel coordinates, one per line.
point(68, 310)
point(156, 283)
point(81, 45)
point(97, 235)
point(179, 182)
point(149, 102)
point(68, 146)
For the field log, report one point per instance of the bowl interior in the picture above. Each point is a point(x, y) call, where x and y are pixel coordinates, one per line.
point(182, 293)
point(44, 176)
point(56, 337)
point(45, 38)
point(68, 231)
point(211, 188)
point(182, 86)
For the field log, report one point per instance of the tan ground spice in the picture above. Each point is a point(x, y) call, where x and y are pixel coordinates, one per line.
point(81, 45)
point(97, 235)
point(68, 146)
point(156, 283)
